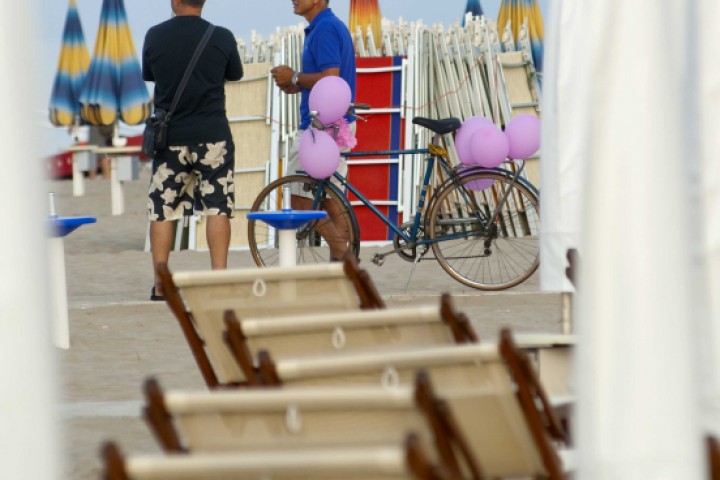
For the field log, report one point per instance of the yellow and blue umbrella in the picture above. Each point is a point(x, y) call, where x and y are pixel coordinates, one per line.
point(516, 11)
point(114, 88)
point(474, 7)
point(72, 69)
point(364, 13)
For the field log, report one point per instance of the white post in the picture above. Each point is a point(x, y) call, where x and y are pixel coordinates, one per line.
point(78, 177)
point(29, 447)
point(286, 238)
point(117, 196)
point(56, 266)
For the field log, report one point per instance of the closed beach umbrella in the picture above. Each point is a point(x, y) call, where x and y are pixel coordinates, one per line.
point(364, 13)
point(474, 7)
point(517, 11)
point(114, 88)
point(72, 69)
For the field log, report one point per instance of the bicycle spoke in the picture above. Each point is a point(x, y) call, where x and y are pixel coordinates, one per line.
point(486, 256)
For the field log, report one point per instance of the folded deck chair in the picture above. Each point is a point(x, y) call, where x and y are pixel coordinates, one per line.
point(491, 389)
point(259, 418)
point(199, 299)
point(343, 332)
point(404, 460)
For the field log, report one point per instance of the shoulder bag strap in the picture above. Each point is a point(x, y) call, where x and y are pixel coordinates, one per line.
point(189, 69)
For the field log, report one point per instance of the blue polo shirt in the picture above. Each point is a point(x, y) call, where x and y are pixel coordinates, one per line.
point(328, 44)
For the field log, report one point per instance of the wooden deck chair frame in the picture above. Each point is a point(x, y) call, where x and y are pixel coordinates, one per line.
point(415, 463)
point(446, 432)
point(713, 455)
point(366, 291)
point(457, 322)
point(535, 404)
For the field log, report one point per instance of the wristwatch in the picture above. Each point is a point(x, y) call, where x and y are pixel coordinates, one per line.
point(295, 78)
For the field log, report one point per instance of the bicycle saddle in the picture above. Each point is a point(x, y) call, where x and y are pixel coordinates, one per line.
point(446, 125)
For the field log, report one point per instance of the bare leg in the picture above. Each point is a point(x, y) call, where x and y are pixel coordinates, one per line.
point(161, 238)
point(218, 237)
point(333, 231)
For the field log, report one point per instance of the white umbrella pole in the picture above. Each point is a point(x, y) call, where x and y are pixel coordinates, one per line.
point(28, 429)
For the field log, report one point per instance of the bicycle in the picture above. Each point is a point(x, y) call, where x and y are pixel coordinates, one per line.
point(481, 224)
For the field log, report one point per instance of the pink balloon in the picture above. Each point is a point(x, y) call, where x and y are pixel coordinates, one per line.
point(489, 147)
point(464, 135)
point(330, 97)
point(523, 133)
point(319, 154)
point(480, 184)
point(477, 185)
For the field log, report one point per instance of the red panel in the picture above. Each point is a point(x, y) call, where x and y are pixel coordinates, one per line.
point(375, 89)
point(371, 180)
point(371, 227)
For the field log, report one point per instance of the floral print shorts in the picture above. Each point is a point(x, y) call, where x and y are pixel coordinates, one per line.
point(191, 179)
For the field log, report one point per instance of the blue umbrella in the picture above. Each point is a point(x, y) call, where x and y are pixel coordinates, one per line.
point(114, 88)
point(474, 7)
point(72, 69)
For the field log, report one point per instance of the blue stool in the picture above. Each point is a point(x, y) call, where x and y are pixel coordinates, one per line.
point(286, 221)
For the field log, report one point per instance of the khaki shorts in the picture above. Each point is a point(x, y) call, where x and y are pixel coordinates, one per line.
point(294, 163)
point(189, 179)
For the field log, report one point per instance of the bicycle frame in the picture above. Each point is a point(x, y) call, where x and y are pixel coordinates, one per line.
point(411, 238)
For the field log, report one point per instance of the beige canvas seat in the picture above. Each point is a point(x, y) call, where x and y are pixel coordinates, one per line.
point(199, 300)
point(259, 418)
point(491, 389)
point(404, 460)
point(342, 332)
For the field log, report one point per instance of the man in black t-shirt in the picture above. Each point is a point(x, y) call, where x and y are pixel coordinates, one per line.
point(195, 172)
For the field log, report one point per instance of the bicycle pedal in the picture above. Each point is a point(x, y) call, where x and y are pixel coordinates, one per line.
point(378, 260)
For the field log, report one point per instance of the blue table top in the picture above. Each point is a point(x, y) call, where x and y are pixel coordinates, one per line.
point(287, 219)
point(63, 226)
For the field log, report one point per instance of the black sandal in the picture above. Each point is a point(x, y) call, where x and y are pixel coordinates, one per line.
point(156, 298)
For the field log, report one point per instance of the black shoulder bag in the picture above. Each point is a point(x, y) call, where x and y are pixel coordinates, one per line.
point(155, 134)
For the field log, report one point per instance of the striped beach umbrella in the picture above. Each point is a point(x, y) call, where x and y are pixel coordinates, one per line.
point(114, 89)
point(364, 13)
point(72, 69)
point(517, 11)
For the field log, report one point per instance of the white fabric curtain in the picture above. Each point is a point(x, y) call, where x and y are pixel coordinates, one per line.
point(641, 299)
point(709, 42)
point(564, 146)
point(28, 437)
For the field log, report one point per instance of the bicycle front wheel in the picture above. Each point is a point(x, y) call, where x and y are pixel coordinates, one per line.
point(317, 240)
point(480, 240)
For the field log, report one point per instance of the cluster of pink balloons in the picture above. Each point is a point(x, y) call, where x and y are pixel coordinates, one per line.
point(331, 98)
point(480, 142)
point(318, 153)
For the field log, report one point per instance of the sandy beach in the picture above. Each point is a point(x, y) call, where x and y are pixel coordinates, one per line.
point(119, 338)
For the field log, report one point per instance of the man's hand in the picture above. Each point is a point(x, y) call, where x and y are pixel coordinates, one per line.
point(282, 75)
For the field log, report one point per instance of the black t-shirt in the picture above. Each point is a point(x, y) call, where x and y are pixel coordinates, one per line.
point(200, 116)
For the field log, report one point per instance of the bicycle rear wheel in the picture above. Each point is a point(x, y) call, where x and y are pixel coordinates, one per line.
point(313, 239)
point(479, 251)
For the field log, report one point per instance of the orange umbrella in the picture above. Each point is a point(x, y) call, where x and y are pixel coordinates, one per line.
point(364, 13)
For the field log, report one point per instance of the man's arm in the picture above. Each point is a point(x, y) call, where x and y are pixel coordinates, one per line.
point(283, 78)
point(147, 74)
point(234, 70)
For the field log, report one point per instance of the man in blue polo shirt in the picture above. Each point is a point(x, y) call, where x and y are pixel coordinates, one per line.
point(328, 50)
